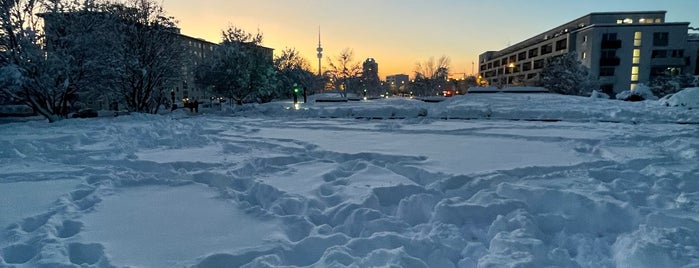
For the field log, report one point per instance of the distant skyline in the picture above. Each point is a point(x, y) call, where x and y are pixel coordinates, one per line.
point(400, 33)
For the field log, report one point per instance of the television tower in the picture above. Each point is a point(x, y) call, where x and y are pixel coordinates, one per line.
point(320, 52)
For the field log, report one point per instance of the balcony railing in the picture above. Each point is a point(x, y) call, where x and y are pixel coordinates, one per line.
point(611, 44)
point(612, 61)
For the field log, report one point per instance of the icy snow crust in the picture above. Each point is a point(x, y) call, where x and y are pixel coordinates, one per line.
point(528, 180)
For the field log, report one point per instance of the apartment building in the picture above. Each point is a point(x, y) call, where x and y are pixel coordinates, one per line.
point(621, 49)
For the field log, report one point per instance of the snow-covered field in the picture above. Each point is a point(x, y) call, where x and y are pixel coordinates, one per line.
point(481, 180)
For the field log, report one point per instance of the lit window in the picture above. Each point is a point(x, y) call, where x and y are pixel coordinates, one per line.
point(584, 55)
point(642, 20)
point(658, 20)
point(634, 74)
point(628, 21)
point(633, 86)
point(619, 21)
point(636, 56)
point(637, 39)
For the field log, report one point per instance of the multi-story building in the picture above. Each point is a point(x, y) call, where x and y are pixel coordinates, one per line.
point(197, 50)
point(621, 49)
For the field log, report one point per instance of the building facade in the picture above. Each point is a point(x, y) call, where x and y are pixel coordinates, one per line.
point(621, 49)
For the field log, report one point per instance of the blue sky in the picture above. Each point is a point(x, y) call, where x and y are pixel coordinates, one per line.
point(400, 33)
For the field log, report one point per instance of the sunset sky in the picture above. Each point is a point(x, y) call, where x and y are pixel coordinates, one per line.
point(400, 33)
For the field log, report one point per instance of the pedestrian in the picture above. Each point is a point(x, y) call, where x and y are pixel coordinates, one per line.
point(196, 106)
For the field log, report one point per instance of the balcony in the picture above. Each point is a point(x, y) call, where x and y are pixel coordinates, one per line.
point(612, 61)
point(611, 44)
point(668, 62)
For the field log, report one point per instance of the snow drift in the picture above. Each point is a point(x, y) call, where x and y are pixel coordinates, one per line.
point(519, 180)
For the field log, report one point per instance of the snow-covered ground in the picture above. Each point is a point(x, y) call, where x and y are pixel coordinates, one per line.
point(481, 180)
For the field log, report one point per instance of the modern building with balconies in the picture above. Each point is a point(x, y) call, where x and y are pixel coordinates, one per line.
point(621, 49)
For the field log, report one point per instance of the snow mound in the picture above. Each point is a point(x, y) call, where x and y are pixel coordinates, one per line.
point(688, 97)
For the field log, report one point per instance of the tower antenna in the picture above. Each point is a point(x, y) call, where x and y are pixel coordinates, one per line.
point(320, 53)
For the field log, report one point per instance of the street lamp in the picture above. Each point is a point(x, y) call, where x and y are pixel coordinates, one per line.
point(512, 68)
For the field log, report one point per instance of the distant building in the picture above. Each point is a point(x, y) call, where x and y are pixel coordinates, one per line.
point(398, 83)
point(197, 51)
point(622, 49)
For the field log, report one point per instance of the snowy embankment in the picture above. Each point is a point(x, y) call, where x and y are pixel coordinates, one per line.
point(506, 106)
point(612, 184)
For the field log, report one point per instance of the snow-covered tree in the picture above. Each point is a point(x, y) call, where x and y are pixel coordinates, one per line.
point(292, 69)
point(669, 84)
point(240, 68)
point(565, 74)
point(151, 55)
point(47, 69)
point(343, 70)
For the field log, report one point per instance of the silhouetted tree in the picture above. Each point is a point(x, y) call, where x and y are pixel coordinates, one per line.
point(293, 69)
point(431, 76)
point(344, 70)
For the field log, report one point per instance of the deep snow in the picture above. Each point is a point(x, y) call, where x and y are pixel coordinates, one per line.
point(481, 180)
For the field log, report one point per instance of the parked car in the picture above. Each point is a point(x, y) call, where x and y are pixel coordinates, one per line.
point(85, 113)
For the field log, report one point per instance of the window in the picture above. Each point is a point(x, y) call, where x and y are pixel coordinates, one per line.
point(609, 36)
point(628, 21)
point(584, 39)
point(531, 76)
point(677, 53)
point(561, 44)
point(538, 64)
point(637, 39)
point(634, 74)
point(546, 49)
point(503, 61)
point(661, 39)
point(522, 56)
point(636, 56)
point(533, 52)
point(606, 71)
point(583, 55)
point(527, 66)
point(659, 53)
point(608, 53)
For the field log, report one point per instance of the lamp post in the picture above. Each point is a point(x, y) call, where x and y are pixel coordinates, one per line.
point(511, 66)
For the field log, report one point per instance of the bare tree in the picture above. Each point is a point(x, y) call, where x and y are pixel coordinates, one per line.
point(344, 69)
point(431, 75)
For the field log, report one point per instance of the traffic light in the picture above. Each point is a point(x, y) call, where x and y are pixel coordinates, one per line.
point(296, 93)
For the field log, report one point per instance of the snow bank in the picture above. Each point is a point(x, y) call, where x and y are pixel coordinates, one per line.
point(687, 98)
point(507, 106)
